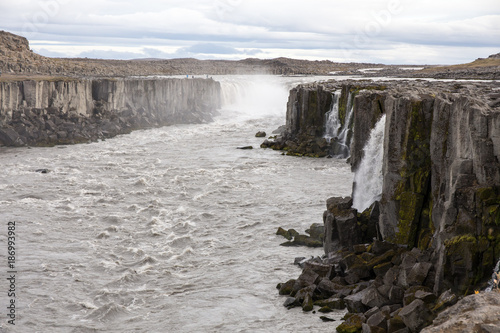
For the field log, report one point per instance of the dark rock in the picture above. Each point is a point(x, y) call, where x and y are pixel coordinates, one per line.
point(42, 170)
point(381, 247)
point(425, 296)
point(287, 287)
point(446, 299)
point(326, 319)
point(409, 296)
point(352, 278)
point(300, 296)
point(384, 290)
point(353, 323)
point(395, 324)
point(354, 302)
point(260, 134)
point(325, 309)
point(307, 305)
point(415, 315)
point(332, 303)
point(418, 273)
point(382, 269)
point(307, 278)
point(303, 240)
point(9, 137)
point(359, 248)
point(389, 309)
point(316, 231)
point(284, 233)
point(289, 302)
point(244, 147)
point(365, 328)
point(378, 319)
point(371, 312)
point(372, 298)
point(320, 269)
point(396, 295)
point(300, 261)
point(339, 206)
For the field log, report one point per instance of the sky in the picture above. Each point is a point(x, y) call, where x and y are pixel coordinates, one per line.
point(376, 31)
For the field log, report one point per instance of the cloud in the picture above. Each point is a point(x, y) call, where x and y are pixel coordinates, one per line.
point(350, 31)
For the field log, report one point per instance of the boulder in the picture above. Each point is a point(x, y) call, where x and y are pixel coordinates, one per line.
point(372, 298)
point(415, 315)
point(353, 323)
point(418, 273)
point(354, 303)
point(378, 319)
point(331, 303)
point(260, 134)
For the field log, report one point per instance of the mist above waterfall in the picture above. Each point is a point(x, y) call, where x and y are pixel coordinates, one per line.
point(368, 177)
point(253, 97)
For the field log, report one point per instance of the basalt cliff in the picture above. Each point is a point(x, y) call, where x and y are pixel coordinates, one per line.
point(431, 234)
point(60, 111)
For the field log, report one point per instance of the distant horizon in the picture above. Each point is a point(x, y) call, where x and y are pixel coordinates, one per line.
point(382, 31)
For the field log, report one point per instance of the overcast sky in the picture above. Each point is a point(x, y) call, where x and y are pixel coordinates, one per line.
point(380, 31)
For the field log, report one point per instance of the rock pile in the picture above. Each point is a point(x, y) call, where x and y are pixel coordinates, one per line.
point(385, 288)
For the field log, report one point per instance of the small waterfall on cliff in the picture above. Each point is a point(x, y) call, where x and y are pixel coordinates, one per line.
point(334, 130)
point(368, 178)
point(332, 121)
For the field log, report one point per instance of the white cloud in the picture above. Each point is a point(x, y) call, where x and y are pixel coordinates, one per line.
point(376, 30)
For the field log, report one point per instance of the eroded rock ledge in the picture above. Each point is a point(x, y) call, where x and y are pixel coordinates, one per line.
point(62, 111)
point(440, 199)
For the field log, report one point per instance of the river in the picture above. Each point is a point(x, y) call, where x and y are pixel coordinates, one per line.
point(169, 229)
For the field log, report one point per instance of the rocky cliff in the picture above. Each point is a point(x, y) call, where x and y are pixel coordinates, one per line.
point(48, 112)
point(437, 210)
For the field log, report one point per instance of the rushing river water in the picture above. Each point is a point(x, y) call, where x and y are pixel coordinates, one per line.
point(165, 230)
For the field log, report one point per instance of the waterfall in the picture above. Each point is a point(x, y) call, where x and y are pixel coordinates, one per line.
point(335, 131)
point(332, 121)
point(368, 177)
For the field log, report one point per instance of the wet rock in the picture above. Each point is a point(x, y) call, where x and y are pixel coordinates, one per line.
point(307, 278)
point(260, 134)
point(300, 296)
point(244, 147)
point(316, 231)
point(289, 302)
point(331, 303)
point(307, 305)
point(287, 287)
point(320, 269)
point(325, 309)
point(353, 323)
point(326, 319)
point(42, 170)
point(303, 240)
